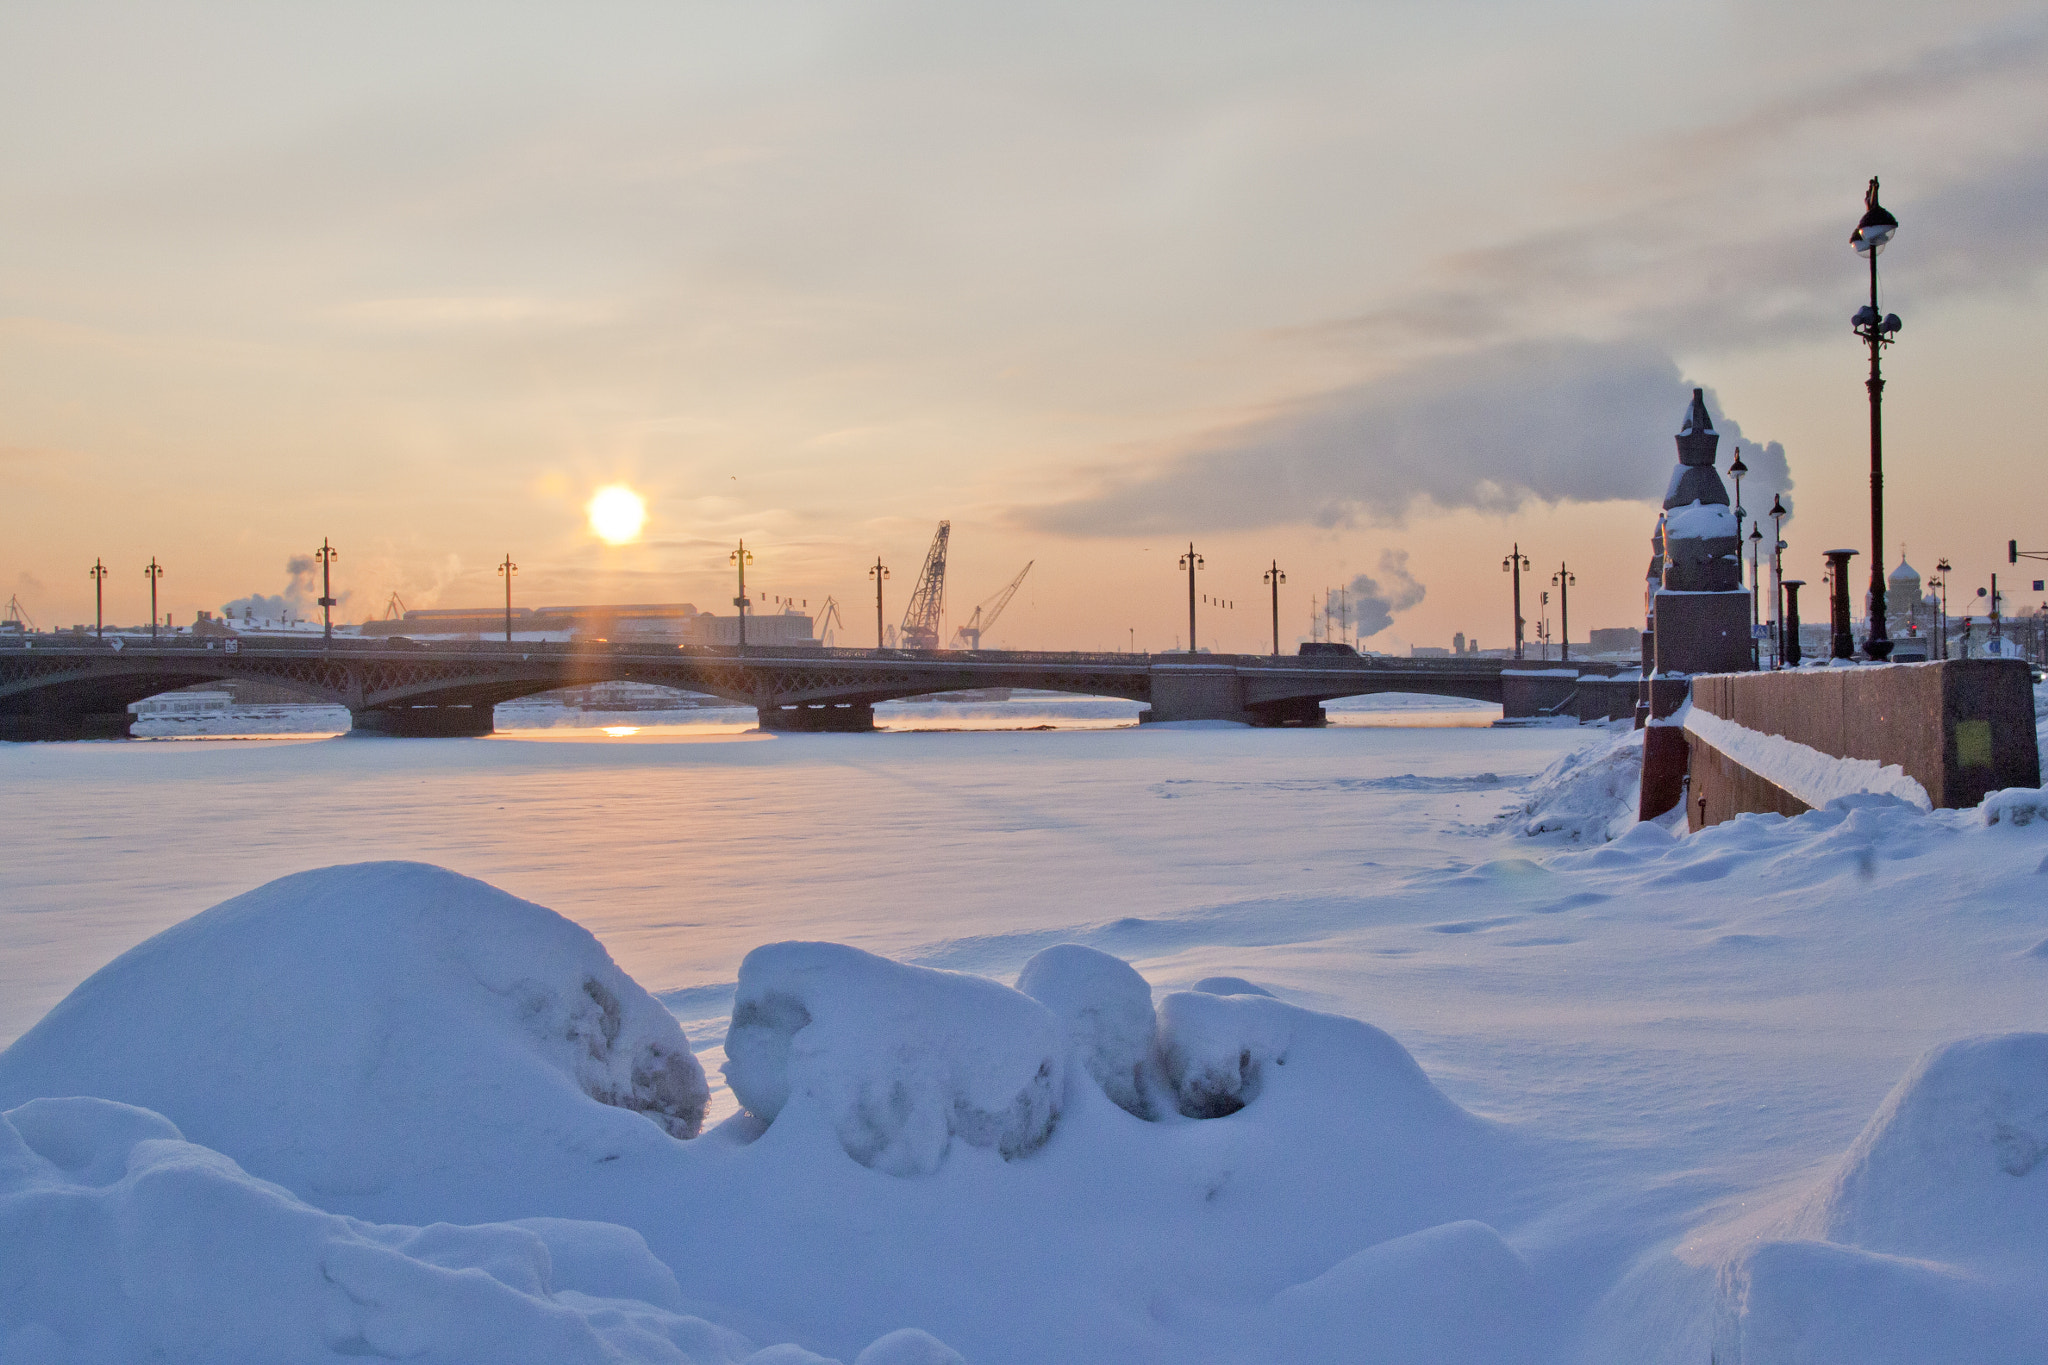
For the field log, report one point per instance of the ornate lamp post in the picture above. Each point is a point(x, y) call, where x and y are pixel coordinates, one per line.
point(1515, 563)
point(1778, 611)
point(1756, 543)
point(879, 572)
point(1941, 567)
point(1276, 578)
point(1563, 581)
point(1738, 469)
point(742, 557)
point(505, 571)
point(153, 573)
point(98, 574)
point(1877, 331)
point(327, 554)
point(1191, 562)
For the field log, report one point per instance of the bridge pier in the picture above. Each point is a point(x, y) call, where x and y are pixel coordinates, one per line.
point(1304, 712)
point(844, 717)
point(1197, 692)
point(58, 725)
point(424, 722)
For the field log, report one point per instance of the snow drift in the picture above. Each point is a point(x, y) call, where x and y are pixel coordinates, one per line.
point(1587, 797)
point(345, 1029)
point(1926, 1241)
point(120, 1241)
point(900, 1060)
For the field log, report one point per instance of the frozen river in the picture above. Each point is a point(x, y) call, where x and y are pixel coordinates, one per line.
point(1677, 1035)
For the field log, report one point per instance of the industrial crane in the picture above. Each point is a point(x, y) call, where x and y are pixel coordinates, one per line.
point(984, 618)
point(921, 621)
point(828, 617)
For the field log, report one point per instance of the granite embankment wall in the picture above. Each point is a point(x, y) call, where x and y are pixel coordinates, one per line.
point(1793, 740)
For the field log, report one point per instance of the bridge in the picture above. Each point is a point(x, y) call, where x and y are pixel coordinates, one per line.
point(80, 688)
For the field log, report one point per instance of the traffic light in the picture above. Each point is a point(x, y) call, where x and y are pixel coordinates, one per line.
point(2012, 552)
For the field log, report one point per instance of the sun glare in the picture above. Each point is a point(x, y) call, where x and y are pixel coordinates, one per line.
point(616, 514)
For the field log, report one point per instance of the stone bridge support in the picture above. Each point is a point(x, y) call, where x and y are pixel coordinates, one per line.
point(461, 721)
point(847, 717)
point(1197, 692)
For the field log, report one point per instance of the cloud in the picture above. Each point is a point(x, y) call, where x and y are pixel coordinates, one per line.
point(1490, 430)
point(1374, 601)
point(300, 598)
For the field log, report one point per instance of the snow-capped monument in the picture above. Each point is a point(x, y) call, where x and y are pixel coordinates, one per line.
point(1699, 610)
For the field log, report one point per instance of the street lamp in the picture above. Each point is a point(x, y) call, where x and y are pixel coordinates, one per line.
point(1563, 581)
point(1756, 543)
point(878, 573)
point(153, 573)
point(1276, 578)
point(1942, 567)
point(1877, 331)
point(744, 557)
point(326, 554)
point(98, 574)
point(1778, 611)
point(1515, 563)
point(1738, 469)
point(505, 571)
point(1191, 562)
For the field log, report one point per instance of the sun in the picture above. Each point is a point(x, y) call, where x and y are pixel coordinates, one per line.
point(616, 514)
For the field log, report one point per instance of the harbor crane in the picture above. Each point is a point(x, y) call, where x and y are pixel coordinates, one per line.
point(923, 619)
point(828, 618)
point(984, 618)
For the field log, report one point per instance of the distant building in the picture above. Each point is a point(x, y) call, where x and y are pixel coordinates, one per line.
point(1428, 652)
point(1614, 640)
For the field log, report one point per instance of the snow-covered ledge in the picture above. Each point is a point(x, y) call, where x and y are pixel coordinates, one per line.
point(1799, 770)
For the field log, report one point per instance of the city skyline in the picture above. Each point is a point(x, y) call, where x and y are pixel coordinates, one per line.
point(1298, 283)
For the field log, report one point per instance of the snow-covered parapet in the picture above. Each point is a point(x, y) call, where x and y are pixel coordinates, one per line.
point(350, 1028)
point(1813, 777)
point(897, 1060)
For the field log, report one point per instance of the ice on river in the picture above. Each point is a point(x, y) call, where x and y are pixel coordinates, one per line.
point(1133, 1045)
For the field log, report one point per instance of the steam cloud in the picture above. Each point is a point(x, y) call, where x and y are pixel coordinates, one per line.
point(300, 597)
point(1374, 601)
point(1490, 430)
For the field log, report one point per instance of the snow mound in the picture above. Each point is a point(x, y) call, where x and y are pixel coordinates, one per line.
point(1928, 1240)
point(1228, 985)
point(347, 1029)
point(898, 1060)
point(121, 1241)
point(1589, 796)
point(908, 1346)
point(1216, 1048)
point(1954, 1163)
point(2016, 806)
point(1455, 1292)
point(1105, 1010)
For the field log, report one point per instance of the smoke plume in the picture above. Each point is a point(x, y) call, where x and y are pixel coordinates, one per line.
point(1374, 601)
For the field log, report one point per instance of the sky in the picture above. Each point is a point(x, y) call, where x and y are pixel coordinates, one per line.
point(1373, 291)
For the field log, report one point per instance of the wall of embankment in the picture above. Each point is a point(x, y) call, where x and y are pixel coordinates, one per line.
point(1942, 734)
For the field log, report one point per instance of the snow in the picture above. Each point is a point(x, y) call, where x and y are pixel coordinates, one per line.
point(897, 1060)
point(1808, 774)
point(1700, 521)
point(1432, 1067)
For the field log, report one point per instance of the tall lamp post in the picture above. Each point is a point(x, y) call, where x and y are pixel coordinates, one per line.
point(153, 573)
point(1756, 543)
point(326, 555)
point(1738, 469)
point(742, 557)
point(1191, 562)
point(1778, 609)
point(1941, 568)
point(1563, 581)
point(1515, 563)
point(1276, 578)
point(879, 572)
point(505, 571)
point(1877, 331)
point(98, 573)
